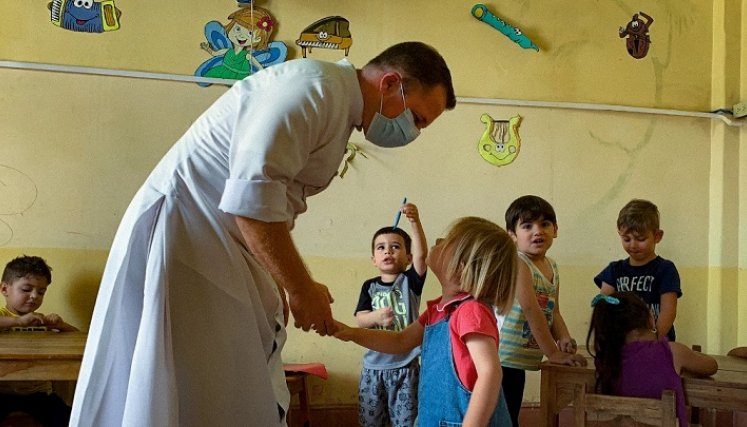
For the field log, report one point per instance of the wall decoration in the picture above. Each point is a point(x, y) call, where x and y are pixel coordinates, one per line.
point(500, 143)
point(85, 16)
point(332, 32)
point(350, 151)
point(481, 12)
point(241, 47)
point(636, 32)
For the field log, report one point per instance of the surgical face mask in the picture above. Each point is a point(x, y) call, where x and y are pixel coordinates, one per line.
point(393, 132)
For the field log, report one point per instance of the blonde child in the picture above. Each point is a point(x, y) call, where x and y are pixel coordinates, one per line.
point(460, 375)
point(631, 360)
point(388, 387)
point(534, 327)
point(29, 403)
point(652, 277)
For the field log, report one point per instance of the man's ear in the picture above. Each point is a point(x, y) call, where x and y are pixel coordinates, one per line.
point(389, 81)
point(658, 234)
point(4, 287)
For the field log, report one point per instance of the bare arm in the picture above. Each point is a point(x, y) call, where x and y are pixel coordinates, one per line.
point(667, 313)
point(271, 244)
point(29, 319)
point(692, 361)
point(537, 321)
point(559, 330)
point(738, 352)
point(606, 289)
point(419, 247)
point(383, 341)
point(482, 351)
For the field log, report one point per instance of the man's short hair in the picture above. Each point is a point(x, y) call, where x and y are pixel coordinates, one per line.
point(421, 62)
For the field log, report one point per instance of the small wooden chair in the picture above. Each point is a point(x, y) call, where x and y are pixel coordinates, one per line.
point(638, 411)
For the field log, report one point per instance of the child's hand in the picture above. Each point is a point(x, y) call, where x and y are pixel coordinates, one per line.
point(563, 358)
point(54, 321)
point(384, 316)
point(343, 331)
point(567, 345)
point(31, 319)
point(411, 212)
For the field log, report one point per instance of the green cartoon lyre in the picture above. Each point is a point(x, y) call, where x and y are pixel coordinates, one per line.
point(500, 143)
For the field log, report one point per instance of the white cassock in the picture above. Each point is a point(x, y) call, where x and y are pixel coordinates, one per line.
point(188, 326)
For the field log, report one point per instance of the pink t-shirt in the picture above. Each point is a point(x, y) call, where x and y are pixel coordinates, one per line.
point(468, 317)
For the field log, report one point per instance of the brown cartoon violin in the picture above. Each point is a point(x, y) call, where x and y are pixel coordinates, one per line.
point(636, 32)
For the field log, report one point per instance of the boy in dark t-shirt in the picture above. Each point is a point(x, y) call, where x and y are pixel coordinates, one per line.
point(652, 277)
point(388, 390)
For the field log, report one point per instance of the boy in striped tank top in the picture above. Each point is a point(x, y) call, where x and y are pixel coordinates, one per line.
point(534, 327)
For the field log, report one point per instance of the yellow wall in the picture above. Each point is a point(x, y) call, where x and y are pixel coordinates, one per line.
point(74, 148)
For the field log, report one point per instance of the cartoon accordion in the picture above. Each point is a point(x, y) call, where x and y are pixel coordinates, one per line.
point(85, 16)
point(332, 32)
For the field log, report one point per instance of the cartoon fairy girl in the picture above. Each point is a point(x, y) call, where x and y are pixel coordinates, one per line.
point(242, 47)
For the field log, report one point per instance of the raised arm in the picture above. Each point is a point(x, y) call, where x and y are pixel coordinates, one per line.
point(419, 247)
point(309, 301)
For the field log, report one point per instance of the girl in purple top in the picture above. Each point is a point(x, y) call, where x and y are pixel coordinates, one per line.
point(630, 360)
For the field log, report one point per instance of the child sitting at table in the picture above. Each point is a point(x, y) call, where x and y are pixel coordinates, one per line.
point(460, 376)
point(631, 360)
point(29, 403)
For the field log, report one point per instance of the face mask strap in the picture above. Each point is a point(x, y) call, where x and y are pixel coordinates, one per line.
point(401, 91)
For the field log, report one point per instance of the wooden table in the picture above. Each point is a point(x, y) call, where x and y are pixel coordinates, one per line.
point(726, 390)
point(41, 356)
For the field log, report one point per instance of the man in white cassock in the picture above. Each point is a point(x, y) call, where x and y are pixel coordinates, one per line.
point(188, 325)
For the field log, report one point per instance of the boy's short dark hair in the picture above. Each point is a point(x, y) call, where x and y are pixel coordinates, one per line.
point(638, 215)
point(392, 230)
point(27, 265)
point(529, 208)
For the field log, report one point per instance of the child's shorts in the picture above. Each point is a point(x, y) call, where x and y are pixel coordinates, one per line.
point(389, 396)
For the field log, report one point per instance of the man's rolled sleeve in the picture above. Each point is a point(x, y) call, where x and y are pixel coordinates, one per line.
point(261, 200)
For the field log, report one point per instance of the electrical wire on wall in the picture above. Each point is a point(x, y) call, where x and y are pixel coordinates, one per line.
point(724, 115)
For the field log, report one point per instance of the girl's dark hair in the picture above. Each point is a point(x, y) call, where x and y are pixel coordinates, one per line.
point(608, 329)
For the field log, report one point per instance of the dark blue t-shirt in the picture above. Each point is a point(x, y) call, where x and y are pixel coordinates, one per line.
point(648, 281)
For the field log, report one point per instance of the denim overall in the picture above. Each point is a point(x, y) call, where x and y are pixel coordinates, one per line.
point(443, 400)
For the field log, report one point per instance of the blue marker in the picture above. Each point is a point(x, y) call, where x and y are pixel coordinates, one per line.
point(399, 214)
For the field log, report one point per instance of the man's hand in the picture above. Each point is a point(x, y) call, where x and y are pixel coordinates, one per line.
point(311, 310)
